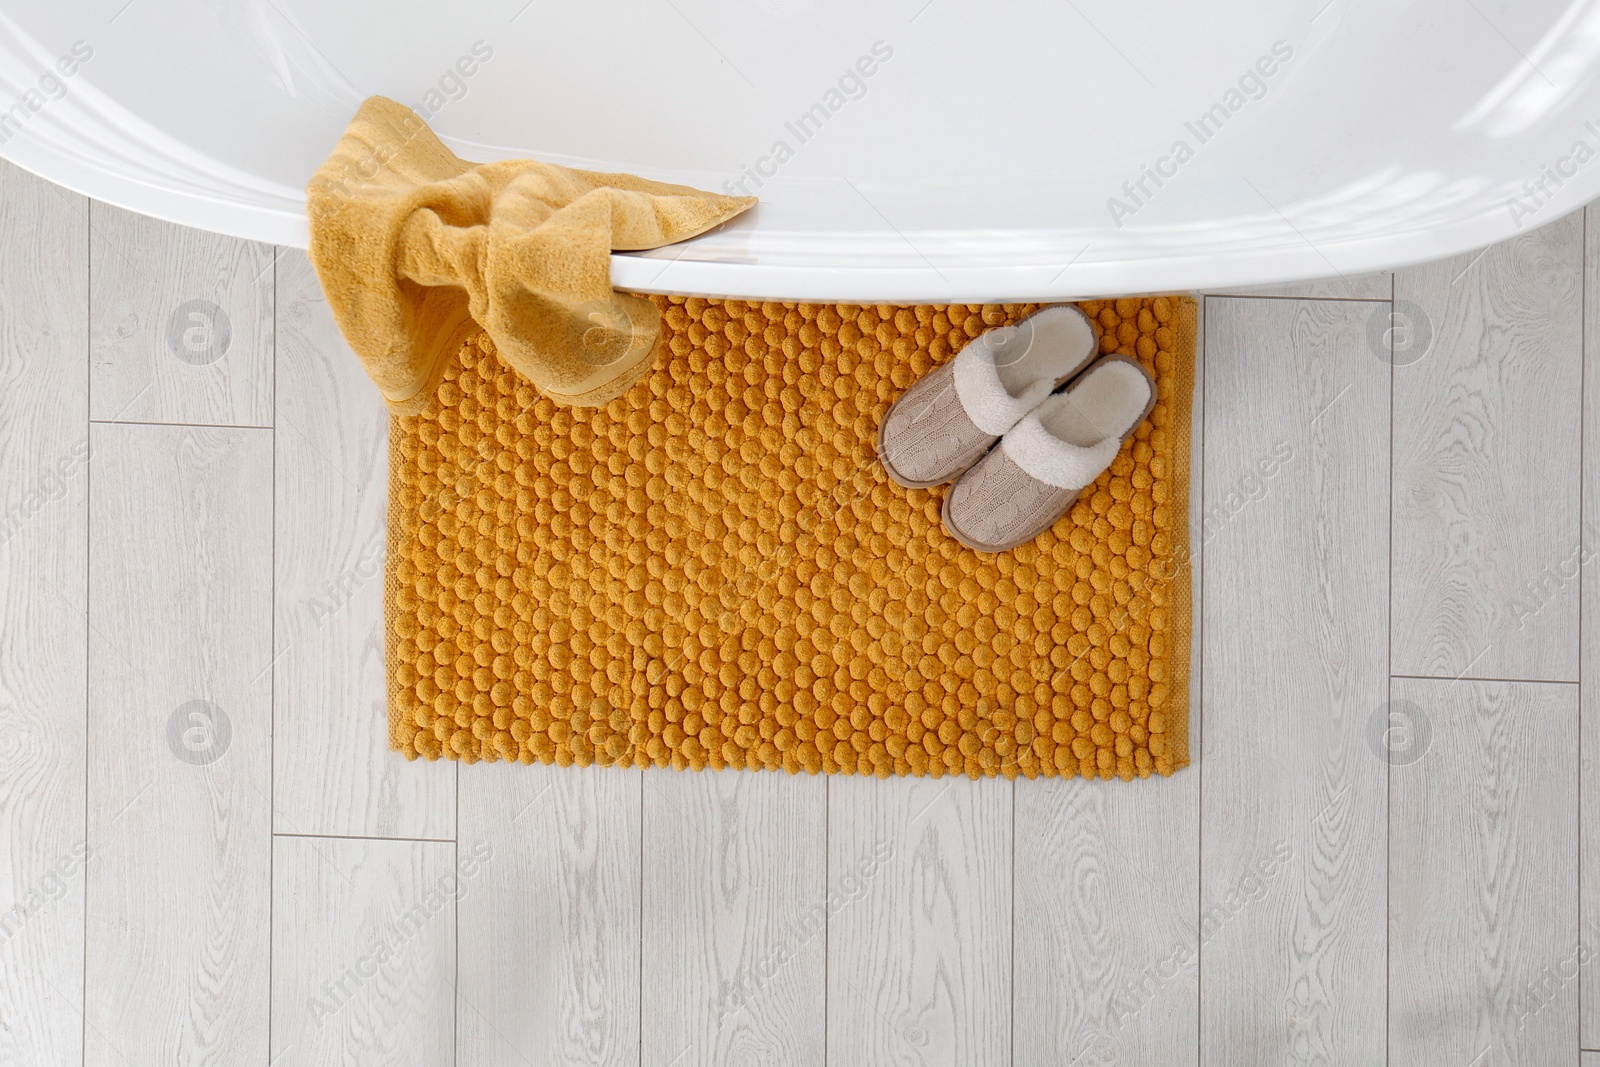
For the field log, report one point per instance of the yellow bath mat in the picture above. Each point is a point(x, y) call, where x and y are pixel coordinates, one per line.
point(713, 570)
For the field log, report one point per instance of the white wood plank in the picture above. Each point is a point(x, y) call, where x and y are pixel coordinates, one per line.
point(1107, 908)
point(44, 493)
point(1376, 286)
point(1590, 1059)
point(1293, 811)
point(1486, 454)
point(180, 609)
point(919, 961)
point(735, 918)
point(180, 323)
point(1483, 864)
point(1589, 690)
point(364, 950)
point(550, 933)
point(334, 772)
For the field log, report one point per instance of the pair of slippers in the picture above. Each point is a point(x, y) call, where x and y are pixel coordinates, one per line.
point(1006, 386)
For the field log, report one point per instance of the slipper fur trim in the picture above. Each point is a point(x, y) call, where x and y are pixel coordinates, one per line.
point(984, 397)
point(1044, 456)
point(1036, 449)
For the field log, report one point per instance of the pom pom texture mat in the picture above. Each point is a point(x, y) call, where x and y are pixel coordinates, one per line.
point(713, 570)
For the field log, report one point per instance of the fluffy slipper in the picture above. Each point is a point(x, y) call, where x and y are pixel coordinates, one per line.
point(952, 415)
point(1021, 488)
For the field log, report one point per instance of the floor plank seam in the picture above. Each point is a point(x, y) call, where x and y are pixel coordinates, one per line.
point(186, 425)
point(1388, 692)
point(88, 645)
point(272, 681)
point(1199, 613)
point(1583, 418)
point(1475, 678)
point(368, 837)
point(1275, 296)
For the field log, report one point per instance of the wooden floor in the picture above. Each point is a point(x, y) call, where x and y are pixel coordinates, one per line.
point(207, 855)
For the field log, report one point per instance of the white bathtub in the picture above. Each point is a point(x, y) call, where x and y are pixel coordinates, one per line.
point(931, 149)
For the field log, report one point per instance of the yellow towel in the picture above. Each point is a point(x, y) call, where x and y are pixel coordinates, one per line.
point(416, 247)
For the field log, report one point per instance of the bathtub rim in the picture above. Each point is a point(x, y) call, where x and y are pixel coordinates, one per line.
point(674, 271)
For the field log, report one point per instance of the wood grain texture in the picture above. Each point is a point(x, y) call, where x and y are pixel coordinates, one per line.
point(1377, 286)
point(735, 918)
point(1486, 454)
point(163, 299)
point(334, 772)
point(180, 610)
point(1590, 1059)
point(1293, 812)
point(550, 934)
point(1107, 909)
point(1108, 886)
point(364, 950)
point(1483, 862)
point(44, 495)
point(919, 957)
point(1589, 689)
